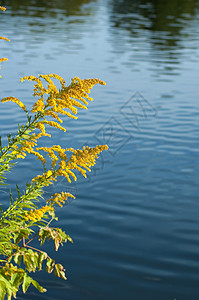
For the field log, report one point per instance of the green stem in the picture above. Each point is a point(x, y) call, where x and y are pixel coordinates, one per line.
point(20, 134)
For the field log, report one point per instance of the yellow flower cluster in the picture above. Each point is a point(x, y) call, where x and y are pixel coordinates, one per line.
point(54, 124)
point(10, 269)
point(63, 101)
point(41, 126)
point(37, 214)
point(80, 160)
point(4, 38)
point(27, 147)
point(84, 159)
point(60, 198)
point(15, 100)
point(51, 153)
point(3, 59)
point(2, 8)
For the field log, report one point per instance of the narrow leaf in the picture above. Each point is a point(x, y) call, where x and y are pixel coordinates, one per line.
point(26, 282)
point(3, 290)
point(18, 190)
point(42, 256)
point(38, 286)
point(17, 259)
point(10, 198)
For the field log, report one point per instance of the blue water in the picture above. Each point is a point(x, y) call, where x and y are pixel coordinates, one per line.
point(135, 219)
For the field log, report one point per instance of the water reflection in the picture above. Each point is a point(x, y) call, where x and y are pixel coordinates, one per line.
point(44, 24)
point(44, 8)
point(159, 29)
point(135, 221)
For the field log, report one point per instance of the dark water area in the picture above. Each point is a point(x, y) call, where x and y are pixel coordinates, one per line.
point(135, 219)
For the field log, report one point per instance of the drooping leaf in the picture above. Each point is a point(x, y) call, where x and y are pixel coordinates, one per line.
point(26, 282)
point(60, 271)
point(42, 256)
point(17, 258)
point(50, 265)
point(2, 289)
point(38, 286)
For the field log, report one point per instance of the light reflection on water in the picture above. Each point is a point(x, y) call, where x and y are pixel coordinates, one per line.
point(135, 220)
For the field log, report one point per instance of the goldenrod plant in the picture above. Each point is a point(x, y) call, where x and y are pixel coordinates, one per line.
point(26, 219)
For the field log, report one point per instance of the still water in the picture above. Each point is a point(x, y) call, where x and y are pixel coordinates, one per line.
point(135, 220)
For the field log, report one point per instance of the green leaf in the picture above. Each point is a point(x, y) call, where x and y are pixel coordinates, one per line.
point(30, 260)
point(11, 198)
point(1, 210)
point(38, 286)
point(9, 137)
point(50, 265)
point(18, 190)
point(42, 256)
point(3, 290)
point(6, 285)
point(17, 258)
point(26, 282)
point(17, 279)
point(60, 271)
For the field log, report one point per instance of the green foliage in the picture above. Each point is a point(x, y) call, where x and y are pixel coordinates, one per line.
point(26, 220)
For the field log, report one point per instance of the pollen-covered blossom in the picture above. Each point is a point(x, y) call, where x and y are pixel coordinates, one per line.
point(28, 147)
point(38, 106)
point(3, 59)
point(37, 214)
point(4, 38)
point(15, 100)
point(41, 126)
point(51, 153)
point(9, 269)
point(60, 198)
point(53, 115)
point(85, 158)
point(54, 124)
point(60, 102)
point(80, 160)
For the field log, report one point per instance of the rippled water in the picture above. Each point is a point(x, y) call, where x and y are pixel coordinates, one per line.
point(135, 221)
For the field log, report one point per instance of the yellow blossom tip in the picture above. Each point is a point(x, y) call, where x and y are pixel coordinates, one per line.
point(14, 100)
point(4, 38)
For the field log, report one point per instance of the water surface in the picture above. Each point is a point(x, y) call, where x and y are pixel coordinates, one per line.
point(135, 220)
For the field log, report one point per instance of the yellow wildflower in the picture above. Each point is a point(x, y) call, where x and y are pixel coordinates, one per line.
point(59, 102)
point(60, 198)
point(15, 100)
point(29, 78)
point(2, 8)
point(20, 156)
point(61, 172)
point(54, 124)
point(85, 158)
point(3, 59)
point(37, 214)
point(38, 106)
point(52, 114)
point(39, 156)
point(49, 173)
point(4, 38)
point(41, 126)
